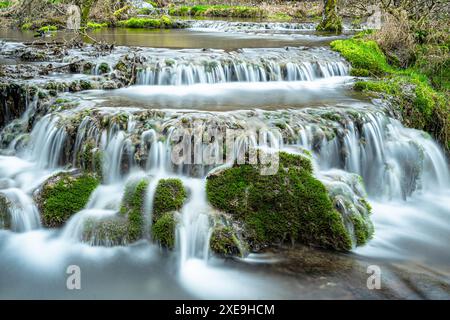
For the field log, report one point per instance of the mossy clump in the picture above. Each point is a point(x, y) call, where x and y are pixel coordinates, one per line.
point(218, 11)
point(133, 208)
point(63, 195)
point(421, 106)
point(225, 242)
point(290, 205)
point(95, 25)
point(363, 55)
point(107, 232)
point(331, 21)
point(149, 23)
point(163, 230)
point(5, 216)
point(48, 28)
point(170, 195)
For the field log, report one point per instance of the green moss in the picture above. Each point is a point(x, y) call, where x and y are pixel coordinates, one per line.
point(363, 55)
point(290, 205)
point(149, 23)
point(422, 106)
point(363, 229)
point(5, 217)
point(280, 17)
point(64, 195)
point(48, 28)
point(224, 242)
point(163, 230)
point(133, 208)
point(26, 26)
point(95, 25)
point(106, 232)
point(331, 20)
point(103, 68)
point(144, 11)
point(218, 11)
point(4, 4)
point(169, 196)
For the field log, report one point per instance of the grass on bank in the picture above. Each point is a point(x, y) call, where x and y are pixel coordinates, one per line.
point(149, 23)
point(423, 106)
point(218, 11)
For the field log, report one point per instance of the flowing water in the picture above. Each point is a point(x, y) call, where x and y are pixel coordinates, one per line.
point(294, 91)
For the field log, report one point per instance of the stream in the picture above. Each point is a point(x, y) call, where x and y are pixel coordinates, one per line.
point(281, 79)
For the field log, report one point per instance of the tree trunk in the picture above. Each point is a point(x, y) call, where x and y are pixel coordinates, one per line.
point(331, 20)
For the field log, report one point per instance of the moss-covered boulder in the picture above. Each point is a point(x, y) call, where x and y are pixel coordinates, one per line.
point(348, 195)
point(107, 232)
point(5, 216)
point(63, 195)
point(133, 206)
point(169, 198)
point(163, 230)
point(225, 242)
point(291, 205)
point(170, 195)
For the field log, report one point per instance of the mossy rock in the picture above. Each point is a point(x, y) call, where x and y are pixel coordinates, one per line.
point(363, 55)
point(107, 232)
point(5, 215)
point(170, 195)
point(63, 195)
point(163, 230)
point(225, 242)
point(290, 205)
point(133, 208)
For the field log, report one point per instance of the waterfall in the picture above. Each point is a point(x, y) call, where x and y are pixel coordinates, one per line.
point(230, 26)
point(292, 64)
point(393, 160)
point(47, 142)
point(23, 212)
point(193, 229)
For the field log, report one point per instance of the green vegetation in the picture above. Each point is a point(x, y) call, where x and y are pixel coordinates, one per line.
point(422, 106)
point(169, 196)
point(363, 55)
point(26, 26)
point(48, 28)
point(64, 195)
point(290, 205)
point(106, 232)
point(4, 4)
point(133, 207)
point(163, 230)
point(150, 23)
point(225, 242)
point(218, 11)
point(95, 25)
point(331, 20)
point(5, 217)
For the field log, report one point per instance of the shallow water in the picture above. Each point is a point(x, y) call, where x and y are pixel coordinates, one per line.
point(184, 39)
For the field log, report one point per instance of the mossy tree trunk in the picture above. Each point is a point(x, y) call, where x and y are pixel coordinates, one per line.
point(85, 7)
point(331, 20)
